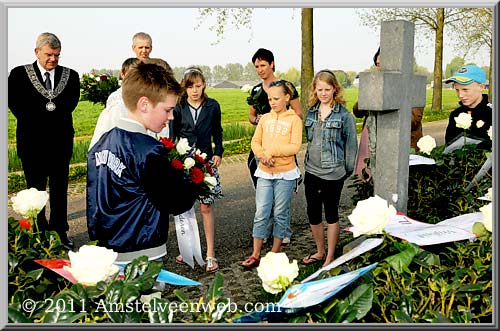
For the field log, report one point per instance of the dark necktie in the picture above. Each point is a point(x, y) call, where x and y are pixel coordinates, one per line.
point(48, 84)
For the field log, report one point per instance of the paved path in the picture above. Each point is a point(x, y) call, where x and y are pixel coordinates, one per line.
point(234, 214)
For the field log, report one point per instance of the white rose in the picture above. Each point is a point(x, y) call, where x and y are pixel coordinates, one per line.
point(98, 78)
point(370, 216)
point(490, 132)
point(479, 124)
point(198, 152)
point(92, 264)
point(189, 163)
point(276, 272)
point(489, 194)
point(183, 146)
point(246, 88)
point(426, 144)
point(28, 203)
point(487, 216)
point(210, 180)
point(463, 121)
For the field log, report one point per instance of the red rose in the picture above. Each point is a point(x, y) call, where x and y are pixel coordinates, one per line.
point(104, 77)
point(199, 159)
point(168, 143)
point(196, 175)
point(209, 169)
point(176, 164)
point(25, 224)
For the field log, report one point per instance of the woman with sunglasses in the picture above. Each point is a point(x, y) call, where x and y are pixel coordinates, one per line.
point(263, 59)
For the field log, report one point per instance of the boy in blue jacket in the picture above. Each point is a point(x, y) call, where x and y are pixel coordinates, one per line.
point(131, 186)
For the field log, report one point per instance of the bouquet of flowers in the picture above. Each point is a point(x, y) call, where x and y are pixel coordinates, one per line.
point(97, 88)
point(194, 165)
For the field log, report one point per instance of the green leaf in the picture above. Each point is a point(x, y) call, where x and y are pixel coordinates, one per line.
point(16, 316)
point(35, 274)
point(359, 302)
point(401, 261)
point(180, 295)
point(402, 317)
point(159, 312)
point(215, 290)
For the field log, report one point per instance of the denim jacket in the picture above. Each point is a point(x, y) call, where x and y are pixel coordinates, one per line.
point(339, 143)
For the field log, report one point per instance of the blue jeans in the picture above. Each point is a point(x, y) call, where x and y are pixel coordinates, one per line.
point(272, 196)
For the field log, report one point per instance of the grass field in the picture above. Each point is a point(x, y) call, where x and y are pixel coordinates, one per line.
point(234, 122)
point(234, 110)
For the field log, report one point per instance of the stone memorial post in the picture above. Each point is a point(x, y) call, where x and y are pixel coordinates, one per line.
point(389, 96)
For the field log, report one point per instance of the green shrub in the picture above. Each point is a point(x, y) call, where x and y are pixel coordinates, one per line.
point(97, 88)
point(437, 192)
point(237, 131)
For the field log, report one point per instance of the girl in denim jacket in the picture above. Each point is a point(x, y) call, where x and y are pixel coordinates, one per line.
point(330, 158)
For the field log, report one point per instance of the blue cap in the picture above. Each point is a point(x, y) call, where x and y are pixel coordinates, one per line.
point(468, 74)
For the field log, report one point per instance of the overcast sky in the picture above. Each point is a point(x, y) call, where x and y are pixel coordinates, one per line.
point(101, 38)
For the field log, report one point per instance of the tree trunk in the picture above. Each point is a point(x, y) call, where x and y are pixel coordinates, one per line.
point(437, 91)
point(307, 65)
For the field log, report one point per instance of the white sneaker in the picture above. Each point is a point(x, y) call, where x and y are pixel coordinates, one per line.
point(285, 241)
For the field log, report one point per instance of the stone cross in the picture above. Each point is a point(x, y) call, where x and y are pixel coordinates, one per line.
point(389, 95)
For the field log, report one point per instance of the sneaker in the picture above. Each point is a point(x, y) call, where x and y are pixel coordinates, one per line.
point(285, 241)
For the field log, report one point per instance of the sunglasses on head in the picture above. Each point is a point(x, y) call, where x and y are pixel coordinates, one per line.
point(276, 83)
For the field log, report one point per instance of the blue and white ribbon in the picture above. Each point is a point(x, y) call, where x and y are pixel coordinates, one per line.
point(188, 237)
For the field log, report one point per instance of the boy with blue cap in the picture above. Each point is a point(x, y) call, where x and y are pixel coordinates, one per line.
point(469, 83)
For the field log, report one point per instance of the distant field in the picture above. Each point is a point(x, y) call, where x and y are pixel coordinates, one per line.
point(234, 110)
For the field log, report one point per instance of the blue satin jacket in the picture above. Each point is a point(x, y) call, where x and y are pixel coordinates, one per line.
point(132, 189)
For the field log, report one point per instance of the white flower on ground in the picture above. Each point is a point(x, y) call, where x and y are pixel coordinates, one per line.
point(210, 180)
point(246, 88)
point(489, 194)
point(29, 202)
point(189, 163)
point(490, 132)
point(463, 121)
point(487, 216)
point(92, 264)
point(276, 272)
point(370, 216)
point(426, 144)
point(183, 146)
point(479, 124)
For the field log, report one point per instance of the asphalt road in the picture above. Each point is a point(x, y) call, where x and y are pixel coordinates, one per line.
point(234, 215)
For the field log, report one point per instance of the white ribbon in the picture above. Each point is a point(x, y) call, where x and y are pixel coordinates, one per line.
point(188, 237)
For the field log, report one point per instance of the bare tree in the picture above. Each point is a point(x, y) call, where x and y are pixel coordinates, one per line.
point(430, 22)
point(478, 35)
point(242, 17)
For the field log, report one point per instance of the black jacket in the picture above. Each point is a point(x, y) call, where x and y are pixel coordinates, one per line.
point(41, 133)
point(208, 127)
point(481, 112)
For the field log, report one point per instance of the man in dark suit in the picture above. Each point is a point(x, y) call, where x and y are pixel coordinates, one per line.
point(42, 96)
